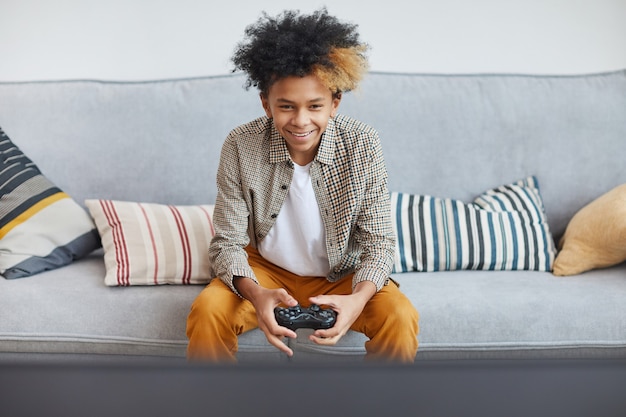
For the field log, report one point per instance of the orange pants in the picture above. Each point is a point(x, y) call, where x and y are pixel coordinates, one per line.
point(218, 315)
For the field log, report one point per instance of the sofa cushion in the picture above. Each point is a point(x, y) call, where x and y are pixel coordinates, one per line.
point(503, 314)
point(41, 227)
point(71, 310)
point(505, 228)
point(596, 235)
point(520, 314)
point(152, 244)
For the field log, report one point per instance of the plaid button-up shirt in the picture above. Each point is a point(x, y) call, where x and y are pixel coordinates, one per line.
point(349, 179)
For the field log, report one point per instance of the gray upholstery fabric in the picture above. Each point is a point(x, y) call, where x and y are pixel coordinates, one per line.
point(457, 136)
point(524, 314)
point(447, 136)
point(484, 314)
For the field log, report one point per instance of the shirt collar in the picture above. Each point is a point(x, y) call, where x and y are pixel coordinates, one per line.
point(326, 151)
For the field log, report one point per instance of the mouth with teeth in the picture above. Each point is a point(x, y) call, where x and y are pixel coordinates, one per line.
point(302, 135)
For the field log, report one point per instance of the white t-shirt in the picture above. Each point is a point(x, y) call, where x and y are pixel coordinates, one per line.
point(297, 241)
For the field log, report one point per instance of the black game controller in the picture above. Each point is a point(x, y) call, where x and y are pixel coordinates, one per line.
point(313, 317)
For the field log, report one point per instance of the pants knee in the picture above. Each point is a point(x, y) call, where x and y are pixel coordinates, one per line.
point(205, 311)
point(405, 313)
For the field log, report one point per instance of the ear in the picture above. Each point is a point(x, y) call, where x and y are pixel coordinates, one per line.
point(266, 105)
point(335, 104)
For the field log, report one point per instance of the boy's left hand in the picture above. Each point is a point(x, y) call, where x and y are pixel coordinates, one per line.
point(348, 309)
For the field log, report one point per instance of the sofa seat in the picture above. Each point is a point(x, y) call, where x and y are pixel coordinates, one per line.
point(479, 317)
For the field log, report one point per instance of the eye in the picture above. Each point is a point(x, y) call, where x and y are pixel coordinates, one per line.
point(316, 106)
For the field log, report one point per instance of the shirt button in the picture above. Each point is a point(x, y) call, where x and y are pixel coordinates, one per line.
point(284, 187)
point(274, 215)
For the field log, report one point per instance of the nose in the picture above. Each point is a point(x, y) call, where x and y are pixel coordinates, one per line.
point(301, 118)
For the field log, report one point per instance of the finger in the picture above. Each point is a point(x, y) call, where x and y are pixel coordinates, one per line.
point(282, 347)
point(277, 342)
point(272, 328)
point(286, 298)
point(325, 341)
point(284, 332)
point(332, 333)
point(327, 300)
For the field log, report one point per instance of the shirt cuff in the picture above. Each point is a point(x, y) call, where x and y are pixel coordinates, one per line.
point(230, 278)
point(376, 275)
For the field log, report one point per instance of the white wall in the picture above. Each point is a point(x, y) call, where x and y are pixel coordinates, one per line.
point(153, 39)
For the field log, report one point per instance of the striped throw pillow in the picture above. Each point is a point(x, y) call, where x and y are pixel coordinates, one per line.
point(41, 227)
point(503, 229)
point(153, 244)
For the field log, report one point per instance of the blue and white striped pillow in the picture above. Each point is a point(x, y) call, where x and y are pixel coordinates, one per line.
point(41, 227)
point(503, 229)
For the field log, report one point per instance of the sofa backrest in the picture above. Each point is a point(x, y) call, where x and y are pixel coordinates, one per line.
point(443, 135)
point(458, 135)
point(156, 141)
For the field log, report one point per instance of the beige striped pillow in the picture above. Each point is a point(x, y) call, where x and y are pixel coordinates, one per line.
point(153, 244)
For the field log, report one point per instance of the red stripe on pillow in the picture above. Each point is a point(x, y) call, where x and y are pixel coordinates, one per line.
point(184, 239)
point(153, 243)
point(121, 250)
point(210, 220)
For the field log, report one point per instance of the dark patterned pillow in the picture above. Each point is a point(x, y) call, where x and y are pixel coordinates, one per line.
point(41, 227)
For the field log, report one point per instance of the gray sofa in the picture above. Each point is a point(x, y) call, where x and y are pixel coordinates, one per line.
point(450, 136)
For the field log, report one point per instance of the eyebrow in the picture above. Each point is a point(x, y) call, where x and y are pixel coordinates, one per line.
point(315, 100)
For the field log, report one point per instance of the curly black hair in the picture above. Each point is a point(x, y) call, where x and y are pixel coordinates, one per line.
point(293, 44)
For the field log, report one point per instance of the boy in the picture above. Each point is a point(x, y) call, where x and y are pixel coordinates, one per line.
point(302, 214)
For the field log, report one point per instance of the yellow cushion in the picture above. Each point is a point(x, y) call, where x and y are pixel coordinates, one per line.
point(596, 235)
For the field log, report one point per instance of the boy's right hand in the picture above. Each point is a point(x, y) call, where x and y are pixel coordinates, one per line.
point(264, 301)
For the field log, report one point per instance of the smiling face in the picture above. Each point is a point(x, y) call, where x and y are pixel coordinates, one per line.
point(300, 108)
